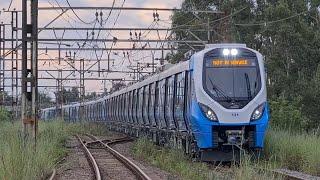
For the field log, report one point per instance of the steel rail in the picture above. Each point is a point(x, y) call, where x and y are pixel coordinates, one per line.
point(129, 164)
point(53, 174)
point(294, 174)
point(93, 162)
point(288, 174)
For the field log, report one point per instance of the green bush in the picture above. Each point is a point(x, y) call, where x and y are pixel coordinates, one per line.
point(287, 115)
point(4, 115)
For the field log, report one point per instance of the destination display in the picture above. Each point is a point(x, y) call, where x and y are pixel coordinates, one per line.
point(231, 62)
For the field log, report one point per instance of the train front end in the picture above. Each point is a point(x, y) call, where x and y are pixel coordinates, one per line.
point(229, 103)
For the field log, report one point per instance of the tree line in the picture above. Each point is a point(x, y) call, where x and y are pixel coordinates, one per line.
point(286, 32)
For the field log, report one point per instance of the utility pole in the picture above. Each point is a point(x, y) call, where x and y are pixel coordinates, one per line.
point(14, 62)
point(29, 83)
point(82, 88)
point(209, 31)
point(162, 57)
point(2, 62)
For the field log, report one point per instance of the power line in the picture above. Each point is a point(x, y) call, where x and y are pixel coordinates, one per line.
point(271, 22)
point(72, 9)
point(132, 9)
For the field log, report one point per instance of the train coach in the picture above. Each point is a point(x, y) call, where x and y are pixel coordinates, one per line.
point(211, 106)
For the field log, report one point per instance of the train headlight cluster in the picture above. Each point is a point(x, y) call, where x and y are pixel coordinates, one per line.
point(209, 113)
point(227, 52)
point(257, 113)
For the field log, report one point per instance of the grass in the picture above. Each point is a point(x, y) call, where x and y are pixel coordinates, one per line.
point(296, 151)
point(18, 158)
point(283, 149)
point(175, 162)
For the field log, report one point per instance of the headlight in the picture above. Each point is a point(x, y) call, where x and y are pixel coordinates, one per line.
point(257, 113)
point(209, 113)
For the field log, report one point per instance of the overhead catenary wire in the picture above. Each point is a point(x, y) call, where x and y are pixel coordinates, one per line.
point(271, 22)
point(77, 14)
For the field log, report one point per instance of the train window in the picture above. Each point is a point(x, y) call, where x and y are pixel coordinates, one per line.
point(140, 103)
point(169, 102)
point(111, 109)
point(146, 104)
point(124, 98)
point(88, 115)
point(118, 107)
point(127, 107)
point(157, 103)
point(93, 112)
point(114, 108)
point(99, 109)
point(130, 107)
point(162, 97)
point(101, 112)
point(133, 98)
point(118, 103)
point(187, 98)
point(122, 108)
point(108, 110)
point(105, 110)
point(179, 101)
point(134, 106)
point(152, 95)
point(98, 112)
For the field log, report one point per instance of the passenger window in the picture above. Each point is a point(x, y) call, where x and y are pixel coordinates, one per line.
point(169, 102)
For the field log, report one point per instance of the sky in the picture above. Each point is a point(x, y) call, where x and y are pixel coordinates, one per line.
point(130, 19)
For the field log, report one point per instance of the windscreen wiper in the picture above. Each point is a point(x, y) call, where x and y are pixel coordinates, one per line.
point(218, 90)
point(248, 86)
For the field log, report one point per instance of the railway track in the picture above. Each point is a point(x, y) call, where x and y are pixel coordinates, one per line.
point(289, 174)
point(106, 162)
point(116, 162)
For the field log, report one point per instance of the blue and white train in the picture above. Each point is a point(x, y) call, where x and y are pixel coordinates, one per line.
point(210, 106)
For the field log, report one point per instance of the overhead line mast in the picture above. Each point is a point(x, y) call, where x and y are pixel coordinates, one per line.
point(29, 82)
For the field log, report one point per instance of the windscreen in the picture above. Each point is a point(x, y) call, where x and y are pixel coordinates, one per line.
point(232, 80)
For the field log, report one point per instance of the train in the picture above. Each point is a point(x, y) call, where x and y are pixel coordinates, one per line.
point(212, 105)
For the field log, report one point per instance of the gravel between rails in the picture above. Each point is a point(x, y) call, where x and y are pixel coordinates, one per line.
point(153, 172)
point(75, 165)
point(109, 166)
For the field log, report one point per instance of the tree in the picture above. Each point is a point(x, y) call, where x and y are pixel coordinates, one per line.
point(117, 86)
point(44, 100)
point(286, 32)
